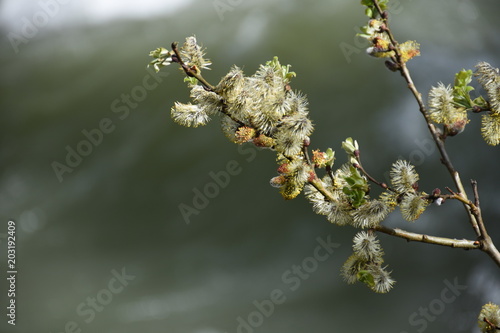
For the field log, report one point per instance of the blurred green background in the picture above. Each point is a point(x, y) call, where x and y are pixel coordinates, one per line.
point(117, 211)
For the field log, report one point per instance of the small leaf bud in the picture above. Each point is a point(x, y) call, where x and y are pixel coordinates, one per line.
point(277, 181)
point(393, 67)
point(350, 145)
point(477, 109)
point(456, 128)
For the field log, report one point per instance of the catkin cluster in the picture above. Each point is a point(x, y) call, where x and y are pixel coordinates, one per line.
point(449, 105)
point(365, 264)
point(351, 203)
point(264, 110)
point(381, 45)
point(489, 77)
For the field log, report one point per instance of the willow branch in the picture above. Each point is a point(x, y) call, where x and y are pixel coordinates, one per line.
point(436, 135)
point(473, 210)
point(411, 236)
point(305, 151)
point(487, 243)
point(318, 184)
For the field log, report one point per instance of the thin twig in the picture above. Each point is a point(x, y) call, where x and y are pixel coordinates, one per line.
point(373, 180)
point(491, 324)
point(305, 151)
point(459, 197)
point(318, 184)
point(191, 71)
point(411, 236)
point(329, 171)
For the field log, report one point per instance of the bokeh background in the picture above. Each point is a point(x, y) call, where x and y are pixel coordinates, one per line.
point(117, 211)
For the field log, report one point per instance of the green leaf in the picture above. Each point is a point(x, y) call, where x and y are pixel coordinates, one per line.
point(282, 69)
point(347, 190)
point(365, 32)
point(350, 146)
point(357, 179)
point(191, 80)
point(330, 154)
point(160, 52)
point(463, 78)
point(162, 57)
point(383, 4)
point(366, 277)
point(371, 10)
point(349, 181)
point(461, 89)
point(356, 189)
point(481, 102)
